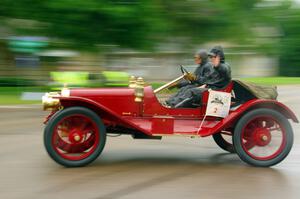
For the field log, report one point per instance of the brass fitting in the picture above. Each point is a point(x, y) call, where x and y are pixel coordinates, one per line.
point(139, 90)
point(50, 103)
point(132, 82)
point(65, 92)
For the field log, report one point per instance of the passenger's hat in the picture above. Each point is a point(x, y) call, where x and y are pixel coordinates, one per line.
point(217, 51)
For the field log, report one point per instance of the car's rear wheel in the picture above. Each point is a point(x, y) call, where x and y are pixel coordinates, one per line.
point(74, 137)
point(224, 141)
point(263, 137)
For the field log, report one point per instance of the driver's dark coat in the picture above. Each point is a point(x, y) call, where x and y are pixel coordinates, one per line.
point(218, 78)
point(202, 73)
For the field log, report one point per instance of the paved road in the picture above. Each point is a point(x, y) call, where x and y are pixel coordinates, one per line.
point(172, 168)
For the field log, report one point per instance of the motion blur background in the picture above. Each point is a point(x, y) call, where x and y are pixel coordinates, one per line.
point(46, 43)
point(91, 43)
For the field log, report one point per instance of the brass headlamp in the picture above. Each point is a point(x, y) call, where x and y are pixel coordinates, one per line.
point(49, 102)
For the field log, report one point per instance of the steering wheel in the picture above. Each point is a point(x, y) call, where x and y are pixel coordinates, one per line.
point(183, 70)
point(187, 75)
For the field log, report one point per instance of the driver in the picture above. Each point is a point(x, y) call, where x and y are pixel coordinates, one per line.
point(201, 74)
point(218, 79)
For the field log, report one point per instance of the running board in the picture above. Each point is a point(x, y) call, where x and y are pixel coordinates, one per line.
point(143, 136)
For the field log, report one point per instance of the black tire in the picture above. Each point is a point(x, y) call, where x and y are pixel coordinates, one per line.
point(286, 141)
point(68, 112)
point(222, 143)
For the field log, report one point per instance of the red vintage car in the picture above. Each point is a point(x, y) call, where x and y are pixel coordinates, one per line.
point(76, 129)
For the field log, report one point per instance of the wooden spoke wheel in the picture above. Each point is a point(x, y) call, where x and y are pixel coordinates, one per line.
point(74, 137)
point(263, 137)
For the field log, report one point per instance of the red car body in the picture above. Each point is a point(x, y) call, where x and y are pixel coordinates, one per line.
point(121, 114)
point(117, 107)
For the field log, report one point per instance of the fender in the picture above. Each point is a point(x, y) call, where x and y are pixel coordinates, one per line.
point(234, 115)
point(99, 109)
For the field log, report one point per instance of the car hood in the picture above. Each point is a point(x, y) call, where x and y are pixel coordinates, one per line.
point(101, 92)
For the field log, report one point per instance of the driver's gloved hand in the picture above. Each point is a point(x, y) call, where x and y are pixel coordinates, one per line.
point(191, 77)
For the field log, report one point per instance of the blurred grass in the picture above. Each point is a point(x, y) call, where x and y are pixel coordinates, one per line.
point(12, 95)
point(257, 80)
point(15, 98)
point(273, 80)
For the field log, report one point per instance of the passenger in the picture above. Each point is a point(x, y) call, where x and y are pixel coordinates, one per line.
point(221, 76)
point(201, 74)
point(218, 79)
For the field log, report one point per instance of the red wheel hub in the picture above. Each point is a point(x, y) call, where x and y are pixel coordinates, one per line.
point(75, 136)
point(262, 136)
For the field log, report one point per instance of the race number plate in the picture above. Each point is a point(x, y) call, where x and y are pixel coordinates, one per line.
point(218, 104)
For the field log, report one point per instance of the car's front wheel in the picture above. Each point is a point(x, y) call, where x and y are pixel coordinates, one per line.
point(263, 137)
point(74, 137)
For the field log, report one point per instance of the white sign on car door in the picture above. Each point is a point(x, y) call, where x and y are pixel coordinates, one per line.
point(218, 104)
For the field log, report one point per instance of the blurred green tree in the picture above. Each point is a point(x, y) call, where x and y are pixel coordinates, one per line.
point(211, 20)
point(134, 24)
point(289, 47)
point(88, 23)
point(281, 36)
point(271, 26)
